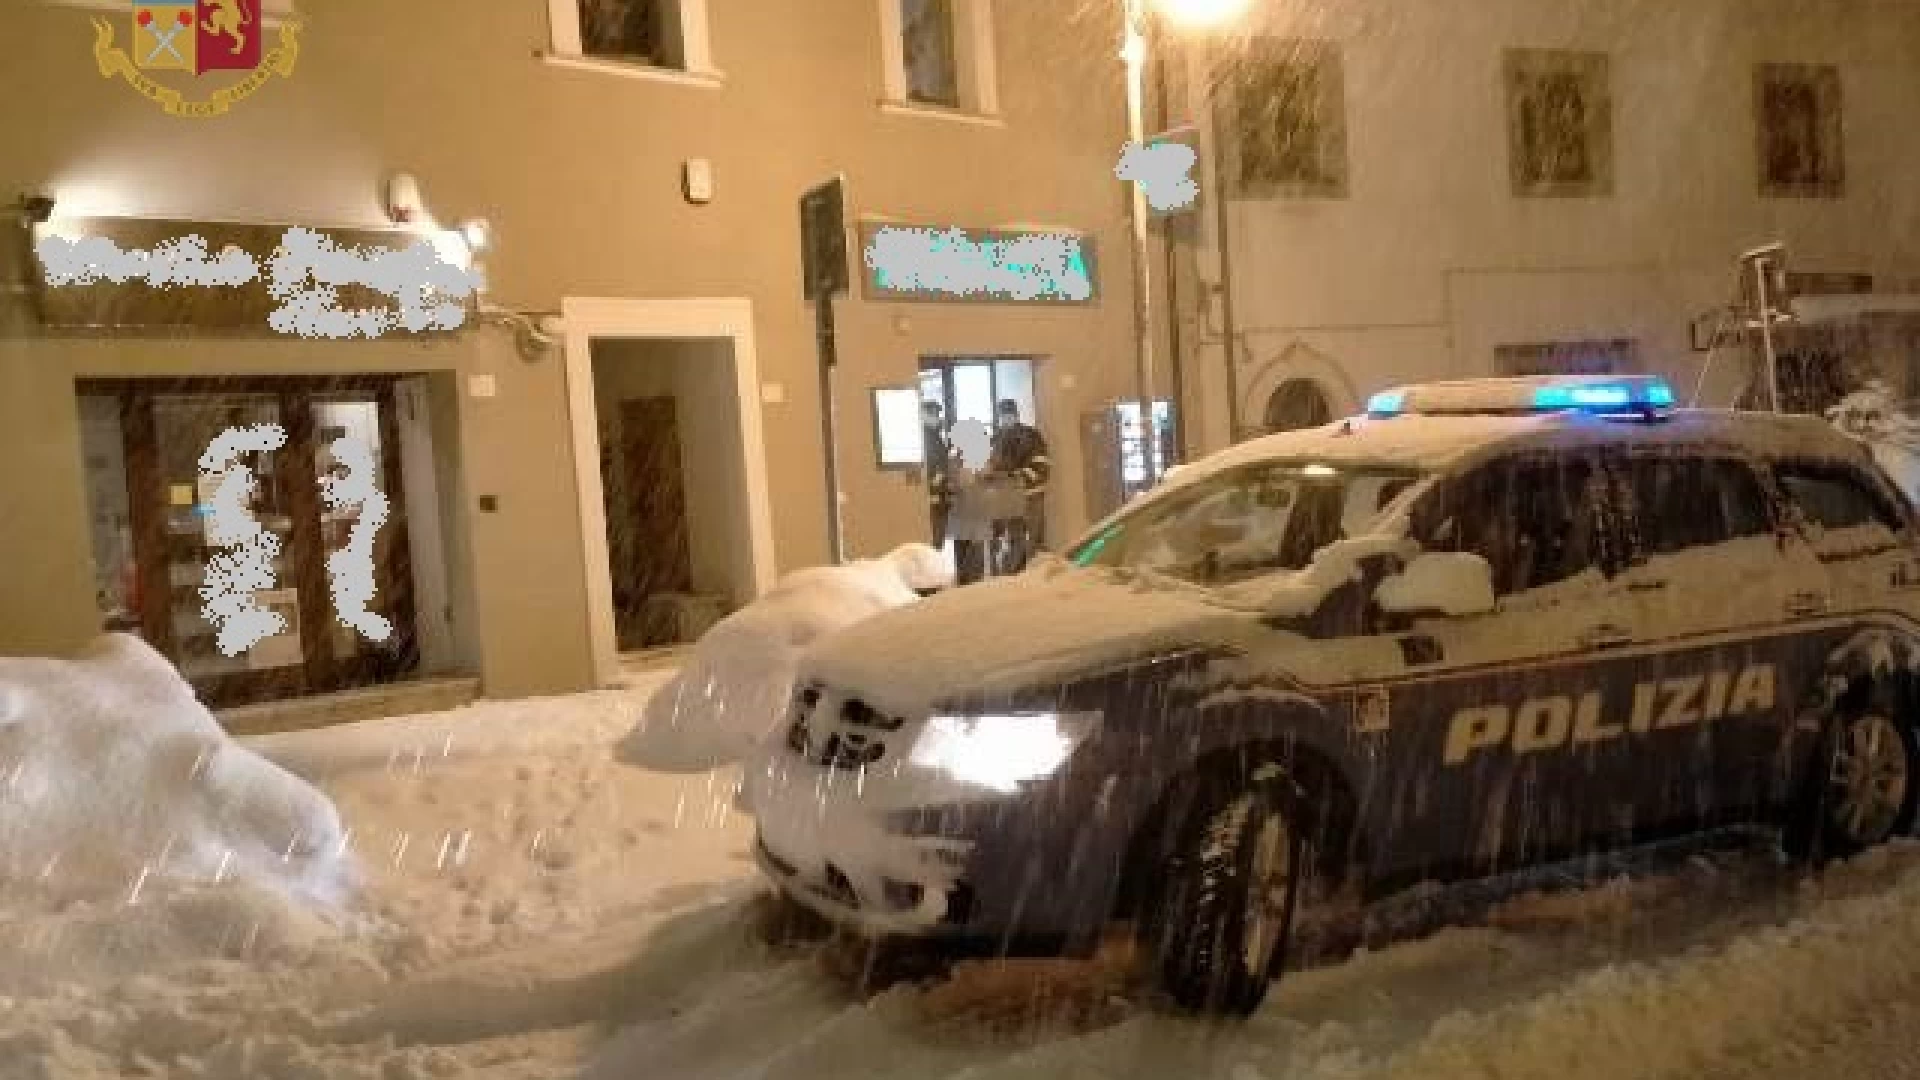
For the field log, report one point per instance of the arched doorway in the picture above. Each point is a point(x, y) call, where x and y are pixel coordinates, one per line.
point(1296, 404)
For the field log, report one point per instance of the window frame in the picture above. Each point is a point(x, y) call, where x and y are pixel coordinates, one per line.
point(1322, 60)
point(1522, 70)
point(1885, 499)
point(975, 69)
point(1638, 520)
point(1823, 81)
point(1605, 535)
point(696, 48)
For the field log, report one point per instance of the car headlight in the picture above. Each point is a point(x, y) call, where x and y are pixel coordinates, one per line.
point(1002, 751)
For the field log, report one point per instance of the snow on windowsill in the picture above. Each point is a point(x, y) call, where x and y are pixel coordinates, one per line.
point(962, 116)
point(711, 80)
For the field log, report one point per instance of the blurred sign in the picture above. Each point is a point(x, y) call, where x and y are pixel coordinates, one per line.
point(132, 303)
point(1179, 144)
point(823, 239)
point(1605, 357)
point(910, 262)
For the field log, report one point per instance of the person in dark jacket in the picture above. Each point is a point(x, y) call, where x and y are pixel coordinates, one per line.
point(1020, 451)
point(939, 470)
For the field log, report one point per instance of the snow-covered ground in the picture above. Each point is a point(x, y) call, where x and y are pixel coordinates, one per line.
point(532, 908)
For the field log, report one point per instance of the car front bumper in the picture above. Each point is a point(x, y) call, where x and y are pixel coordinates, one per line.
point(837, 854)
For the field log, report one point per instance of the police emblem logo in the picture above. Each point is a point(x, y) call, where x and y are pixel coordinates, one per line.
point(196, 37)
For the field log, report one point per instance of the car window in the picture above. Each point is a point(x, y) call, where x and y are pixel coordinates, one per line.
point(1835, 496)
point(1246, 521)
point(1683, 502)
point(1535, 520)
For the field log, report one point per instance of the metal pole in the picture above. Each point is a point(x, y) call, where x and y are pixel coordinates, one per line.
point(1176, 351)
point(1133, 50)
point(836, 533)
point(1229, 341)
point(1765, 304)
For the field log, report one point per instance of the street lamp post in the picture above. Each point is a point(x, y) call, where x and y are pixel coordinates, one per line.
point(1134, 50)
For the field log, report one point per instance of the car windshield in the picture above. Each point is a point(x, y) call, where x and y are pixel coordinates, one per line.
point(1246, 521)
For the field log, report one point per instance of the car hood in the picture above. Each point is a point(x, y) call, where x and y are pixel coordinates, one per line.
point(1010, 634)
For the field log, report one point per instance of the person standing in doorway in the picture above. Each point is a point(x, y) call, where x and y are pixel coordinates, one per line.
point(1020, 451)
point(938, 462)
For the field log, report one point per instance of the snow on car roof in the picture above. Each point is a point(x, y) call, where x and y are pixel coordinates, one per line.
point(1439, 442)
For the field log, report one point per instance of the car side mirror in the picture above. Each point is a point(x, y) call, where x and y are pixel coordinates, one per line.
point(1451, 583)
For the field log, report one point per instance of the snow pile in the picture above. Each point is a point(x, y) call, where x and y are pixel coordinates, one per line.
point(1872, 415)
point(114, 780)
point(513, 879)
point(733, 689)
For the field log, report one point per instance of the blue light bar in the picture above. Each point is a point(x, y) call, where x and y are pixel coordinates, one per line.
point(1604, 398)
point(1387, 403)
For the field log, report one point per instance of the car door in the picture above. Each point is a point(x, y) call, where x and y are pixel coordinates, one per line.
point(1720, 593)
point(1501, 735)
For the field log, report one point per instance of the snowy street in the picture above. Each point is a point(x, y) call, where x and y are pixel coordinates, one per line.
point(535, 909)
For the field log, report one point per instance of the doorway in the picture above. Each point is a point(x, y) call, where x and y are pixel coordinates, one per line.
point(149, 504)
point(651, 463)
point(676, 514)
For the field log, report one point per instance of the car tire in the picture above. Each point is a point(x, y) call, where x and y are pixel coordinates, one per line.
point(1216, 929)
point(1865, 785)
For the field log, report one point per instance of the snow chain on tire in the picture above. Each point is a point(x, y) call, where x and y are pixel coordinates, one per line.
point(1197, 925)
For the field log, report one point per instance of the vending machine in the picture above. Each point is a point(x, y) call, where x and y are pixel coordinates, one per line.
point(1119, 450)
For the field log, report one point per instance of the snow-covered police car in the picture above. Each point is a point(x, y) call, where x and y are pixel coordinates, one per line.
point(1487, 625)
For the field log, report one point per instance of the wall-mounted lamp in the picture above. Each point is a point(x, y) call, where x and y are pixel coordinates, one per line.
point(477, 233)
point(404, 204)
point(36, 209)
point(535, 332)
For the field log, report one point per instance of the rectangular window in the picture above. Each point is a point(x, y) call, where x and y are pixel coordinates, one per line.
point(1288, 99)
point(1559, 123)
point(1834, 496)
point(1536, 520)
point(666, 36)
point(939, 55)
point(1797, 118)
point(927, 33)
point(632, 30)
point(1684, 502)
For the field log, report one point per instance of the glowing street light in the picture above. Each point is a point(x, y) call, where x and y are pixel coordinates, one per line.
point(1189, 14)
point(1200, 13)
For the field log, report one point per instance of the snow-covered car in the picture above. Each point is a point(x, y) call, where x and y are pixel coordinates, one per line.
point(1486, 626)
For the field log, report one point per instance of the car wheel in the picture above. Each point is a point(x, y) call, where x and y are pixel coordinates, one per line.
point(1865, 789)
point(1218, 926)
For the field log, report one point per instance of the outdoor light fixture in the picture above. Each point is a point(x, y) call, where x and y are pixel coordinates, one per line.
point(477, 233)
point(404, 204)
point(36, 209)
point(1199, 13)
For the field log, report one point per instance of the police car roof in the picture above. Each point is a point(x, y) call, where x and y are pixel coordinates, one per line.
point(1432, 443)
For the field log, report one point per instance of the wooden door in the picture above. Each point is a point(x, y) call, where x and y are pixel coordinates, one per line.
point(165, 428)
point(659, 560)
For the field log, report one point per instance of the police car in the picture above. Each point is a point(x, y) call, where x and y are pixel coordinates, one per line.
point(1486, 626)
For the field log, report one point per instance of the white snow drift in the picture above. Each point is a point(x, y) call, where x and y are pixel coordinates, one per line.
point(733, 688)
point(114, 779)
